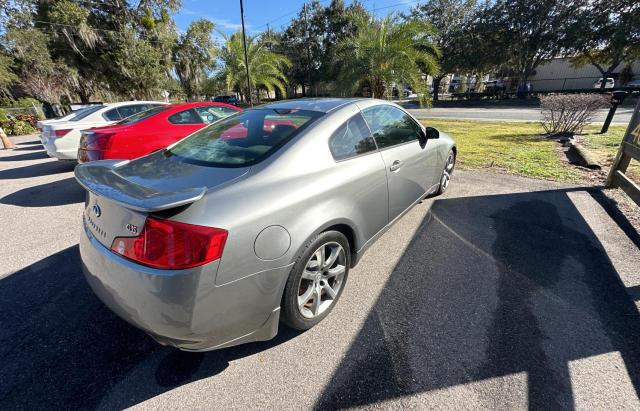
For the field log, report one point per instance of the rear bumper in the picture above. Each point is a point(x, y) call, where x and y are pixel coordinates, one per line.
point(54, 151)
point(185, 308)
point(86, 156)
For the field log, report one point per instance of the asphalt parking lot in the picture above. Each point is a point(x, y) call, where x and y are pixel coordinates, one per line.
point(505, 293)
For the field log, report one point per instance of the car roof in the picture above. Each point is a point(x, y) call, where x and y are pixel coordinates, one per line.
point(199, 103)
point(126, 103)
point(323, 105)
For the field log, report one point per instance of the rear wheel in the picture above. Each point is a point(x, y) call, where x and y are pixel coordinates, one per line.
point(316, 281)
point(445, 179)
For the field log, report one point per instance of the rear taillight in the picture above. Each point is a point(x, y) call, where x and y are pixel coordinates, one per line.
point(95, 141)
point(61, 133)
point(172, 245)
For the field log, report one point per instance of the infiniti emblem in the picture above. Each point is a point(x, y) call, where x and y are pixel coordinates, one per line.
point(96, 210)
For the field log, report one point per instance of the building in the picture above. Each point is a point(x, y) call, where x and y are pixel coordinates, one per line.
point(558, 74)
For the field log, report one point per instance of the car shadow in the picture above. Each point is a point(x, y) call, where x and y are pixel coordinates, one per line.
point(61, 348)
point(26, 143)
point(38, 155)
point(61, 192)
point(35, 146)
point(492, 286)
point(37, 170)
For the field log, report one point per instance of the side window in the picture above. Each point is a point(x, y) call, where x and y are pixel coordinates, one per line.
point(186, 117)
point(351, 139)
point(112, 115)
point(209, 114)
point(390, 126)
point(126, 111)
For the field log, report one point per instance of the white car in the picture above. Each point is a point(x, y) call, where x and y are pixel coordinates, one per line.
point(610, 83)
point(61, 139)
point(40, 124)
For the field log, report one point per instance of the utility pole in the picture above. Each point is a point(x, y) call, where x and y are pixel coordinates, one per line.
point(268, 37)
point(306, 29)
point(246, 59)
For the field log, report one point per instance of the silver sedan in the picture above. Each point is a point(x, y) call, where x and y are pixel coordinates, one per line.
point(254, 219)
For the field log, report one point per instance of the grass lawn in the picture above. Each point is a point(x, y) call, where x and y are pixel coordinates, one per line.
point(515, 147)
point(604, 147)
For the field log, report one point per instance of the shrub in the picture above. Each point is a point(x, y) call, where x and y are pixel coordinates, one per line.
point(19, 103)
point(21, 128)
point(32, 119)
point(19, 125)
point(569, 113)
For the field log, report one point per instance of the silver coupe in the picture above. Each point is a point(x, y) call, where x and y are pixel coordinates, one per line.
point(254, 219)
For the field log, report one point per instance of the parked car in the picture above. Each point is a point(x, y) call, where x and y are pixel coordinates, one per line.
point(610, 83)
point(149, 130)
point(226, 100)
point(208, 243)
point(634, 83)
point(40, 124)
point(62, 138)
point(493, 86)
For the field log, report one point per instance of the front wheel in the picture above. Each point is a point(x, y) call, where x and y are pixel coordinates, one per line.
point(445, 179)
point(316, 281)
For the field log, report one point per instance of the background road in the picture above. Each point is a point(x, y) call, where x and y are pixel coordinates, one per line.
point(622, 116)
point(504, 293)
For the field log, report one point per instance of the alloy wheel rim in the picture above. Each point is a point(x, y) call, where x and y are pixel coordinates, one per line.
point(321, 280)
point(446, 174)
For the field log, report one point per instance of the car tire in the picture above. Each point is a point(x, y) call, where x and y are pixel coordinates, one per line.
point(447, 172)
point(314, 286)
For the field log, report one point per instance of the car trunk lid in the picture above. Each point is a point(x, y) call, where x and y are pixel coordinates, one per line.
point(123, 193)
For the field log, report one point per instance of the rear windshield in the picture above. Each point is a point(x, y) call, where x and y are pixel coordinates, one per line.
point(142, 115)
point(243, 139)
point(86, 112)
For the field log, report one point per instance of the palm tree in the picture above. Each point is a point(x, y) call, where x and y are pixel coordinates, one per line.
point(266, 68)
point(387, 51)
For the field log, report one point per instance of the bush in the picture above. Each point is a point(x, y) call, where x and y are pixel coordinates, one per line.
point(19, 103)
point(19, 125)
point(569, 113)
point(32, 119)
point(21, 128)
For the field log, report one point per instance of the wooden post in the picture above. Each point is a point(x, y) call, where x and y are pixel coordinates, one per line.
point(7, 144)
point(629, 149)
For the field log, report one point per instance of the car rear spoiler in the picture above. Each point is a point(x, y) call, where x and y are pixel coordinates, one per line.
point(101, 178)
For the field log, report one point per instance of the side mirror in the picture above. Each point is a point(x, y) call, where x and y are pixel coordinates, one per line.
point(431, 133)
point(427, 134)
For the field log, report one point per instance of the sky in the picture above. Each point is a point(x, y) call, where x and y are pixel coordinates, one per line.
point(226, 13)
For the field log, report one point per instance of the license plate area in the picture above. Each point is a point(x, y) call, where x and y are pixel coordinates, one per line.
point(107, 220)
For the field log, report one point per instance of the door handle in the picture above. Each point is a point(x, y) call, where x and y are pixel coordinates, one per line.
point(395, 166)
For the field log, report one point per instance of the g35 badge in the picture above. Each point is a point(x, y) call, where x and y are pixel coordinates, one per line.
point(132, 228)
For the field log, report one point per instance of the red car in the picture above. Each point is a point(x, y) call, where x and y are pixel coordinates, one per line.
point(150, 130)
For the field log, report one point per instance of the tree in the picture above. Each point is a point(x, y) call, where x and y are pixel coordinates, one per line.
point(607, 35)
point(194, 56)
point(7, 77)
point(39, 75)
point(519, 34)
point(302, 41)
point(386, 52)
point(310, 42)
point(266, 68)
point(139, 66)
point(452, 21)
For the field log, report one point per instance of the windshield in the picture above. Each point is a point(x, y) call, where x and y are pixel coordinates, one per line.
point(243, 139)
point(86, 112)
point(142, 115)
